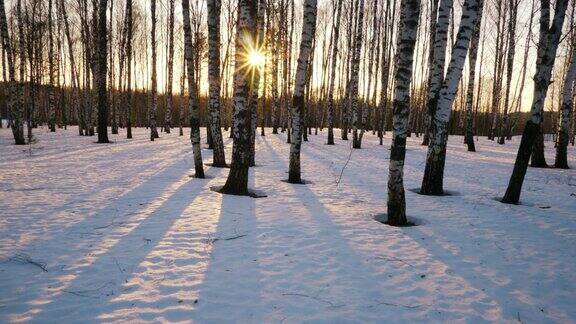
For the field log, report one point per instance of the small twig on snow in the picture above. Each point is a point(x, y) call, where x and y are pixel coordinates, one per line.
point(25, 258)
point(312, 297)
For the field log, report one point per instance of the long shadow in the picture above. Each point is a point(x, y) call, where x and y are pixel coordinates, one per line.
point(494, 255)
point(116, 211)
point(409, 258)
point(130, 248)
point(310, 262)
point(503, 287)
point(232, 283)
point(127, 221)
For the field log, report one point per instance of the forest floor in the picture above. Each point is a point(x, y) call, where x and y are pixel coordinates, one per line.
point(121, 232)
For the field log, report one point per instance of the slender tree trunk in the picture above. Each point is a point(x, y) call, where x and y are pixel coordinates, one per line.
point(101, 70)
point(509, 68)
point(308, 34)
point(170, 63)
point(354, 78)
point(432, 184)
point(129, 30)
point(192, 92)
point(14, 109)
point(214, 9)
point(547, 46)
point(436, 70)
point(154, 91)
point(566, 113)
point(469, 133)
point(332, 80)
point(405, 43)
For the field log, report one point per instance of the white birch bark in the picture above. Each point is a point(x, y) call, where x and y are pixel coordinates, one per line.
point(405, 43)
point(549, 38)
point(237, 181)
point(332, 80)
point(566, 113)
point(102, 72)
point(14, 109)
point(432, 184)
point(436, 69)
point(170, 63)
point(469, 134)
point(154, 81)
point(355, 78)
point(214, 9)
point(194, 114)
point(308, 34)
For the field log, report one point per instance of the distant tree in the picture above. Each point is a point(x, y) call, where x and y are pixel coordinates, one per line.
point(566, 112)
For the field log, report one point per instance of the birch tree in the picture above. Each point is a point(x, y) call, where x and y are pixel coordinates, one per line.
point(154, 85)
point(193, 95)
point(237, 181)
point(561, 160)
point(405, 43)
point(354, 78)
point(549, 37)
point(436, 69)
point(170, 67)
point(308, 34)
point(51, 70)
point(129, 31)
point(11, 91)
point(332, 79)
point(469, 134)
point(432, 184)
point(214, 9)
point(101, 73)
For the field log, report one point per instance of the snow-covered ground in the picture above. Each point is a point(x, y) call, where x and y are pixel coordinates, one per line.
point(125, 234)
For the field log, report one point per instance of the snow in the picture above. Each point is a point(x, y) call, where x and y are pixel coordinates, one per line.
point(126, 234)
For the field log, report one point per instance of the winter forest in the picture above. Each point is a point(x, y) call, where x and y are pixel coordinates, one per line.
point(270, 161)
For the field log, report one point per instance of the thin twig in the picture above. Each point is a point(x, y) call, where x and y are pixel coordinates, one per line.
point(312, 297)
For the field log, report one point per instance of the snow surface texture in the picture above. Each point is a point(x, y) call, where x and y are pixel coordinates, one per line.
point(121, 232)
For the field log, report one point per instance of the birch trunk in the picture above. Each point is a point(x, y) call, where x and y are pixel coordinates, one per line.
point(332, 80)
point(101, 72)
point(154, 91)
point(549, 37)
point(51, 71)
point(509, 67)
point(237, 181)
point(436, 69)
point(170, 63)
point(432, 184)
point(214, 9)
point(354, 79)
point(308, 34)
point(14, 109)
point(566, 114)
point(469, 133)
point(405, 43)
point(193, 95)
point(129, 30)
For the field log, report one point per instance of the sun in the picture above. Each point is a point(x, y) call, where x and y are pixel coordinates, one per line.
point(256, 58)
